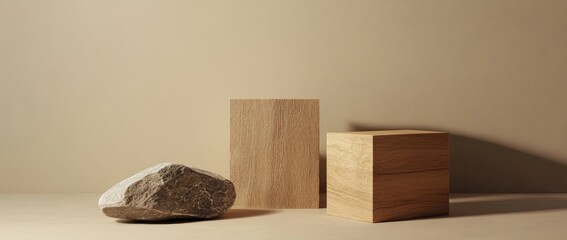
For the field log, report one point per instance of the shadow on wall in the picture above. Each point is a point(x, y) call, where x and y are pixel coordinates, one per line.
point(479, 166)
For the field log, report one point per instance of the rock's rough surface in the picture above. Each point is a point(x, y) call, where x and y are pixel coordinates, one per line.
point(169, 191)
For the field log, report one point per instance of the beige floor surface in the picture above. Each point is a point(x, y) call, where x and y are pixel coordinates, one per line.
point(76, 216)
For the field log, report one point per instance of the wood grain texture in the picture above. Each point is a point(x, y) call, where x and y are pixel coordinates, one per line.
point(406, 174)
point(349, 176)
point(274, 153)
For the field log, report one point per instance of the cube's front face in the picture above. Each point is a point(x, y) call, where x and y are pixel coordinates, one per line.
point(411, 176)
point(349, 176)
point(375, 178)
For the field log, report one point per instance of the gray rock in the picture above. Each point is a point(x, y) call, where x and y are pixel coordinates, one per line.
point(169, 191)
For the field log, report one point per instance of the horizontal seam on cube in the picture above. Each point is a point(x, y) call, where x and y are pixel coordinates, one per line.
point(407, 203)
point(427, 170)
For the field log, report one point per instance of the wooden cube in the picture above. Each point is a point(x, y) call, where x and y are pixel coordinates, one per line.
point(378, 176)
point(274, 153)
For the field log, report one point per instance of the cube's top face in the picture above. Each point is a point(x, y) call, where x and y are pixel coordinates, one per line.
point(390, 132)
point(273, 100)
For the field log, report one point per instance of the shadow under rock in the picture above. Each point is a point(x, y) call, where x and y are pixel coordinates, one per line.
point(230, 214)
point(162, 222)
point(482, 166)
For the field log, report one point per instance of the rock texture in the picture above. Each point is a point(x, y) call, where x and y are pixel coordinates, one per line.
point(169, 191)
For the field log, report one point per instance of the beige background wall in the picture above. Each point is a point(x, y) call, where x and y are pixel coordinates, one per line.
point(94, 91)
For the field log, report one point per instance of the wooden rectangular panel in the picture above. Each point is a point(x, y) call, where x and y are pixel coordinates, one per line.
point(274, 152)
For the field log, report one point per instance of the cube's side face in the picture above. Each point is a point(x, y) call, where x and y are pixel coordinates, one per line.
point(349, 176)
point(411, 176)
point(274, 153)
